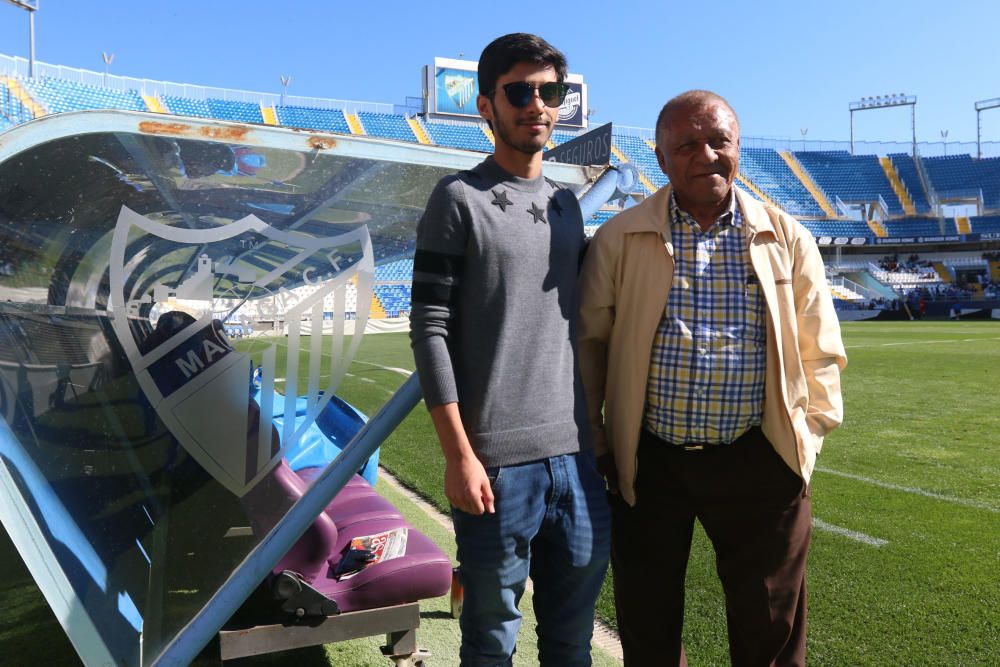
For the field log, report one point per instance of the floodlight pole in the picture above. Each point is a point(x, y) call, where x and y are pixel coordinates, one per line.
point(880, 102)
point(981, 106)
point(31, 9)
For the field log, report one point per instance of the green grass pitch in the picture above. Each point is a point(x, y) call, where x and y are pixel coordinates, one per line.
point(905, 560)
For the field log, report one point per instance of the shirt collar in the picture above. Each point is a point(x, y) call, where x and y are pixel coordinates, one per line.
point(728, 217)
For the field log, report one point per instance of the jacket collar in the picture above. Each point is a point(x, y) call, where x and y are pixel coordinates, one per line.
point(652, 215)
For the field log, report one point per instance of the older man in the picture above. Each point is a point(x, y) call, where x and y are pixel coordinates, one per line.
point(711, 356)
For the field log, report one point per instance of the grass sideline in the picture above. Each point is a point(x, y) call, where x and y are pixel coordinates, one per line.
point(916, 464)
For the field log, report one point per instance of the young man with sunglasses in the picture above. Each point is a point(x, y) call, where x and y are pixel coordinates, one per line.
point(493, 331)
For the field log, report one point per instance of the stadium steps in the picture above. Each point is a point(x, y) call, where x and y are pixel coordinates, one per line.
point(962, 224)
point(942, 271)
point(154, 104)
point(810, 185)
point(418, 130)
point(354, 122)
point(897, 186)
point(749, 185)
point(995, 271)
point(878, 229)
point(489, 134)
point(23, 96)
point(269, 115)
point(377, 311)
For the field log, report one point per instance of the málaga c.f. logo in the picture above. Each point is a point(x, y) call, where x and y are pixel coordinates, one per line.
point(174, 288)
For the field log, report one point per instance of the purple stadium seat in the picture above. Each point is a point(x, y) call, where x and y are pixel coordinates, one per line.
point(423, 571)
point(355, 498)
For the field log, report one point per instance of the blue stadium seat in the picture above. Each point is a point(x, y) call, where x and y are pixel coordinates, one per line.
point(849, 228)
point(853, 178)
point(12, 112)
point(241, 112)
point(59, 96)
point(961, 175)
point(986, 224)
point(389, 126)
point(769, 172)
point(907, 170)
point(309, 118)
point(917, 227)
point(467, 135)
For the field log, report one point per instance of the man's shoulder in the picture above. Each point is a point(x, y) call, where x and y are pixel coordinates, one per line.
point(786, 225)
point(642, 216)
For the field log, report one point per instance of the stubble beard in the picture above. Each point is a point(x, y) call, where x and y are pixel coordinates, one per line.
point(500, 128)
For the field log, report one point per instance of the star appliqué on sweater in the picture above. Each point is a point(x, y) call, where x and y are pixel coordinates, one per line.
point(537, 213)
point(500, 199)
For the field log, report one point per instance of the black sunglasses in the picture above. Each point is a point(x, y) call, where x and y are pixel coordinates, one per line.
point(520, 93)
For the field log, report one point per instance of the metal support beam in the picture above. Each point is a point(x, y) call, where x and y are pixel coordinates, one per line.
point(982, 106)
point(31, 9)
point(397, 623)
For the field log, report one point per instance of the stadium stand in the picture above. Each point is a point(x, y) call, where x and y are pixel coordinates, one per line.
point(961, 175)
point(853, 178)
point(919, 227)
point(639, 153)
point(388, 126)
point(469, 136)
point(330, 120)
point(60, 96)
point(907, 170)
point(12, 110)
point(765, 168)
point(987, 224)
point(783, 178)
point(837, 227)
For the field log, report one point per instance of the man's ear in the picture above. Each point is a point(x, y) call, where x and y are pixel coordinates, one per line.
point(661, 160)
point(485, 107)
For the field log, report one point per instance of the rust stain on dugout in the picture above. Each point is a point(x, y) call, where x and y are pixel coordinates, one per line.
point(321, 143)
point(223, 132)
point(156, 127)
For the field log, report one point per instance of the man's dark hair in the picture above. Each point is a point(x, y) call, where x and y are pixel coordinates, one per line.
point(500, 56)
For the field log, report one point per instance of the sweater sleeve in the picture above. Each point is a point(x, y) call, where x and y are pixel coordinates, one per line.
point(442, 236)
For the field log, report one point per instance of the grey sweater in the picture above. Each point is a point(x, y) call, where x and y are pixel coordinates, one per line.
point(492, 321)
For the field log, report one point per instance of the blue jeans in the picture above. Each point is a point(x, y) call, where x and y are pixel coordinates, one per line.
point(552, 521)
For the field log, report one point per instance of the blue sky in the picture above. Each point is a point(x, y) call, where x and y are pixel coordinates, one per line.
point(783, 65)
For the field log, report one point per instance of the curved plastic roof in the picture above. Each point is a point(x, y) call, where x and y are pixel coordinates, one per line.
point(126, 444)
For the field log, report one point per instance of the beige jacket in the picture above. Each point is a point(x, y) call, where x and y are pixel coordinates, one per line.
point(625, 283)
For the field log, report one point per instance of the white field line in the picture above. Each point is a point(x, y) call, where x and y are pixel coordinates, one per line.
point(926, 342)
point(849, 534)
point(401, 371)
point(914, 490)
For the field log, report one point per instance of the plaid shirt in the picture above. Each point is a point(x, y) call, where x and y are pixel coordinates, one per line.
point(706, 372)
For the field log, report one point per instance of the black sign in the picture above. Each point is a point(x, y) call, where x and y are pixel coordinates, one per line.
point(594, 147)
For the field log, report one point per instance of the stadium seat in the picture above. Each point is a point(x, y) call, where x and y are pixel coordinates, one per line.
point(963, 176)
point(424, 571)
point(853, 178)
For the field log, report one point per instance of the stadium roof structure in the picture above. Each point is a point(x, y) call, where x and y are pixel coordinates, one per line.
point(119, 496)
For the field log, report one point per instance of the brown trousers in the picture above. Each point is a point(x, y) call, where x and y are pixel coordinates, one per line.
point(757, 513)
